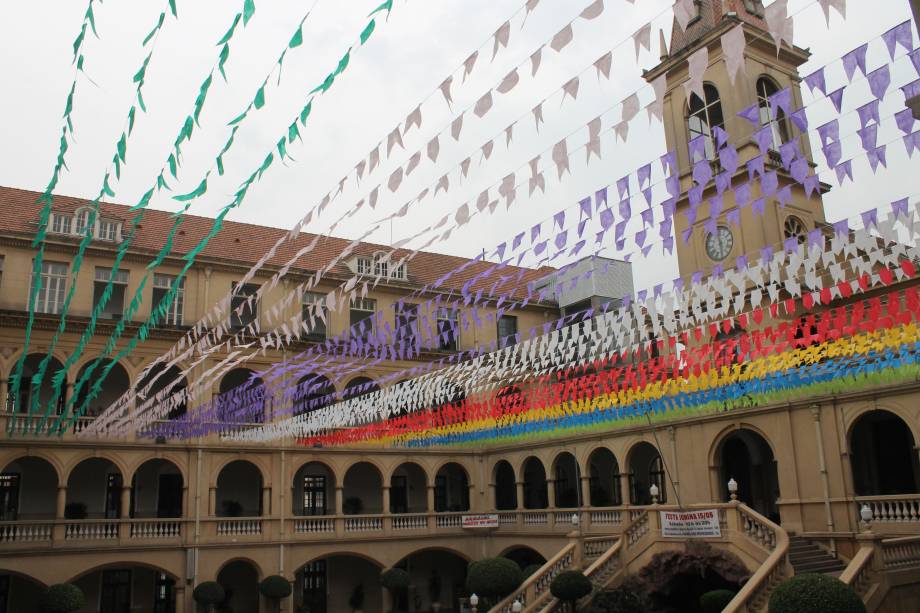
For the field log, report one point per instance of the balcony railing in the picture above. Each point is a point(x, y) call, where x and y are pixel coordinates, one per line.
point(903, 508)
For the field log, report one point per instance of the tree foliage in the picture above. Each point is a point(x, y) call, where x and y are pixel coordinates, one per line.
point(570, 585)
point(209, 593)
point(813, 593)
point(62, 598)
point(493, 578)
point(275, 587)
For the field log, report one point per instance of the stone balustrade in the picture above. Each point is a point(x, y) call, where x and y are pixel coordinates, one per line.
point(892, 509)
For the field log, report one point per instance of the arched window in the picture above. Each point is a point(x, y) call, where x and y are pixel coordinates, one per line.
point(705, 115)
point(779, 126)
point(795, 227)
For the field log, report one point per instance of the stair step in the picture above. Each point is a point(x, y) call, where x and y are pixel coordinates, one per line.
point(810, 556)
point(818, 567)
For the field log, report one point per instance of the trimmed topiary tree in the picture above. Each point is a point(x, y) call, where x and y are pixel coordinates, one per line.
point(395, 580)
point(62, 598)
point(275, 587)
point(716, 600)
point(569, 586)
point(813, 593)
point(619, 600)
point(209, 594)
point(493, 578)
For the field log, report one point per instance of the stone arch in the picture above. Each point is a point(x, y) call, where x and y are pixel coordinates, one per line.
point(29, 486)
point(45, 392)
point(325, 582)
point(158, 488)
point(883, 454)
point(408, 484)
point(258, 460)
point(524, 555)
point(117, 384)
point(533, 475)
point(362, 488)
point(566, 476)
point(23, 576)
point(94, 489)
point(239, 490)
point(746, 455)
point(505, 486)
point(645, 467)
point(346, 554)
point(452, 488)
point(604, 483)
point(359, 386)
point(54, 461)
point(313, 391)
point(314, 489)
point(241, 398)
point(104, 565)
point(240, 579)
point(445, 565)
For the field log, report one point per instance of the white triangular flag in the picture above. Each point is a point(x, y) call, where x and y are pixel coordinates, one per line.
point(434, 147)
point(508, 82)
point(501, 37)
point(483, 104)
point(733, 44)
point(697, 64)
point(642, 38)
point(456, 126)
point(562, 38)
point(603, 65)
point(413, 119)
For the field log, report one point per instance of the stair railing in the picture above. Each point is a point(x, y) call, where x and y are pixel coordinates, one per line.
point(859, 572)
point(535, 589)
point(755, 593)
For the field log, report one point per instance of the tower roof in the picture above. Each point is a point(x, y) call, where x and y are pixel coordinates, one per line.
point(711, 13)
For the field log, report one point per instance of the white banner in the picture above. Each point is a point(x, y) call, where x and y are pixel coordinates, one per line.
point(484, 520)
point(690, 524)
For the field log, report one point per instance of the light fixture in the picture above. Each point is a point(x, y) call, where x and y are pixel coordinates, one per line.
point(517, 607)
point(653, 490)
point(575, 520)
point(733, 488)
point(474, 600)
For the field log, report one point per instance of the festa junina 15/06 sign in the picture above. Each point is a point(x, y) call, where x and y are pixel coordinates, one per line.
point(484, 520)
point(690, 524)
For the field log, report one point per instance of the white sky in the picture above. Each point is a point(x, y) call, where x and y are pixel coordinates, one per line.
point(405, 60)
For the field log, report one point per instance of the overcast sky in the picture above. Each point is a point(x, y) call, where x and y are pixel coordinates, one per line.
point(408, 56)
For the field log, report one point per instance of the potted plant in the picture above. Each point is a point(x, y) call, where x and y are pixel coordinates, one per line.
point(396, 581)
point(569, 586)
point(434, 591)
point(493, 578)
point(356, 600)
point(75, 510)
point(232, 508)
point(352, 506)
point(62, 598)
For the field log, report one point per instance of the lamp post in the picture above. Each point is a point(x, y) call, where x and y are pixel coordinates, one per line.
point(474, 602)
point(865, 513)
point(653, 490)
point(517, 607)
point(733, 489)
point(575, 521)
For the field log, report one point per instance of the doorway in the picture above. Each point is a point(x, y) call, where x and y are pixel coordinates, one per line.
point(746, 457)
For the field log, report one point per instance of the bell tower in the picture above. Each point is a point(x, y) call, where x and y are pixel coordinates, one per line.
point(717, 219)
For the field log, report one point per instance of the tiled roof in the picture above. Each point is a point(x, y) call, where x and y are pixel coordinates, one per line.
point(244, 244)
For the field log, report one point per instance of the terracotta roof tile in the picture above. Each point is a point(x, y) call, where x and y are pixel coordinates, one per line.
point(244, 244)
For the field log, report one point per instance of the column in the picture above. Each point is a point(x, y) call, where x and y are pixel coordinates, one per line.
point(212, 501)
point(386, 499)
point(493, 489)
point(520, 495)
point(585, 496)
point(432, 521)
point(4, 395)
point(59, 528)
point(266, 501)
point(624, 489)
point(339, 499)
point(124, 528)
point(551, 493)
point(179, 591)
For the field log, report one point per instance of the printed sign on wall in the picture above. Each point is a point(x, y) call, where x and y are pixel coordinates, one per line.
point(690, 524)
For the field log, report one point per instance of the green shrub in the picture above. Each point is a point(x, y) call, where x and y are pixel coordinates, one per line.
point(530, 569)
point(619, 600)
point(275, 587)
point(716, 600)
point(569, 586)
point(813, 593)
point(209, 593)
point(62, 598)
point(493, 578)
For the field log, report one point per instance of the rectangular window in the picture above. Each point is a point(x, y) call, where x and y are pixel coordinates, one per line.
point(398, 271)
point(163, 601)
point(314, 586)
point(364, 266)
point(61, 224)
point(9, 496)
point(381, 267)
point(407, 324)
point(115, 596)
point(116, 303)
point(82, 220)
point(50, 297)
point(311, 305)
point(108, 230)
point(507, 329)
point(243, 311)
point(448, 329)
point(362, 314)
point(161, 287)
point(314, 495)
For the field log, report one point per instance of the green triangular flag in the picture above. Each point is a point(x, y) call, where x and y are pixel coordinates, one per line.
point(297, 39)
point(386, 6)
point(259, 100)
point(368, 31)
point(249, 7)
point(229, 33)
point(198, 191)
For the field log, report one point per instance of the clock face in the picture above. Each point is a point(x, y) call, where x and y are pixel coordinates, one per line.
point(719, 243)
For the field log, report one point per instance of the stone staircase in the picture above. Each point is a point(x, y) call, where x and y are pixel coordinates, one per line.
point(807, 557)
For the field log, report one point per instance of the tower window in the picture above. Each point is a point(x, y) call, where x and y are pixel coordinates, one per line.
point(704, 116)
point(779, 126)
point(754, 7)
point(795, 227)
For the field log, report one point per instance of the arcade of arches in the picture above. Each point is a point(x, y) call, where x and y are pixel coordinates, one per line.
point(241, 502)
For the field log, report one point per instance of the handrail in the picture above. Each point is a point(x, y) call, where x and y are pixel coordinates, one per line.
point(763, 532)
point(901, 552)
point(596, 573)
point(536, 587)
point(858, 573)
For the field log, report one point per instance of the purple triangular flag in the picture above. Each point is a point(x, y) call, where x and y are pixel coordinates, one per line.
point(868, 111)
point(832, 153)
point(837, 98)
point(868, 137)
point(585, 205)
point(869, 218)
point(905, 120)
point(876, 157)
point(900, 34)
point(812, 184)
point(899, 207)
point(855, 59)
point(644, 174)
point(829, 132)
point(816, 80)
point(799, 119)
point(844, 169)
point(782, 100)
point(842, 227)
point(752, 114)
point(879, 80)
